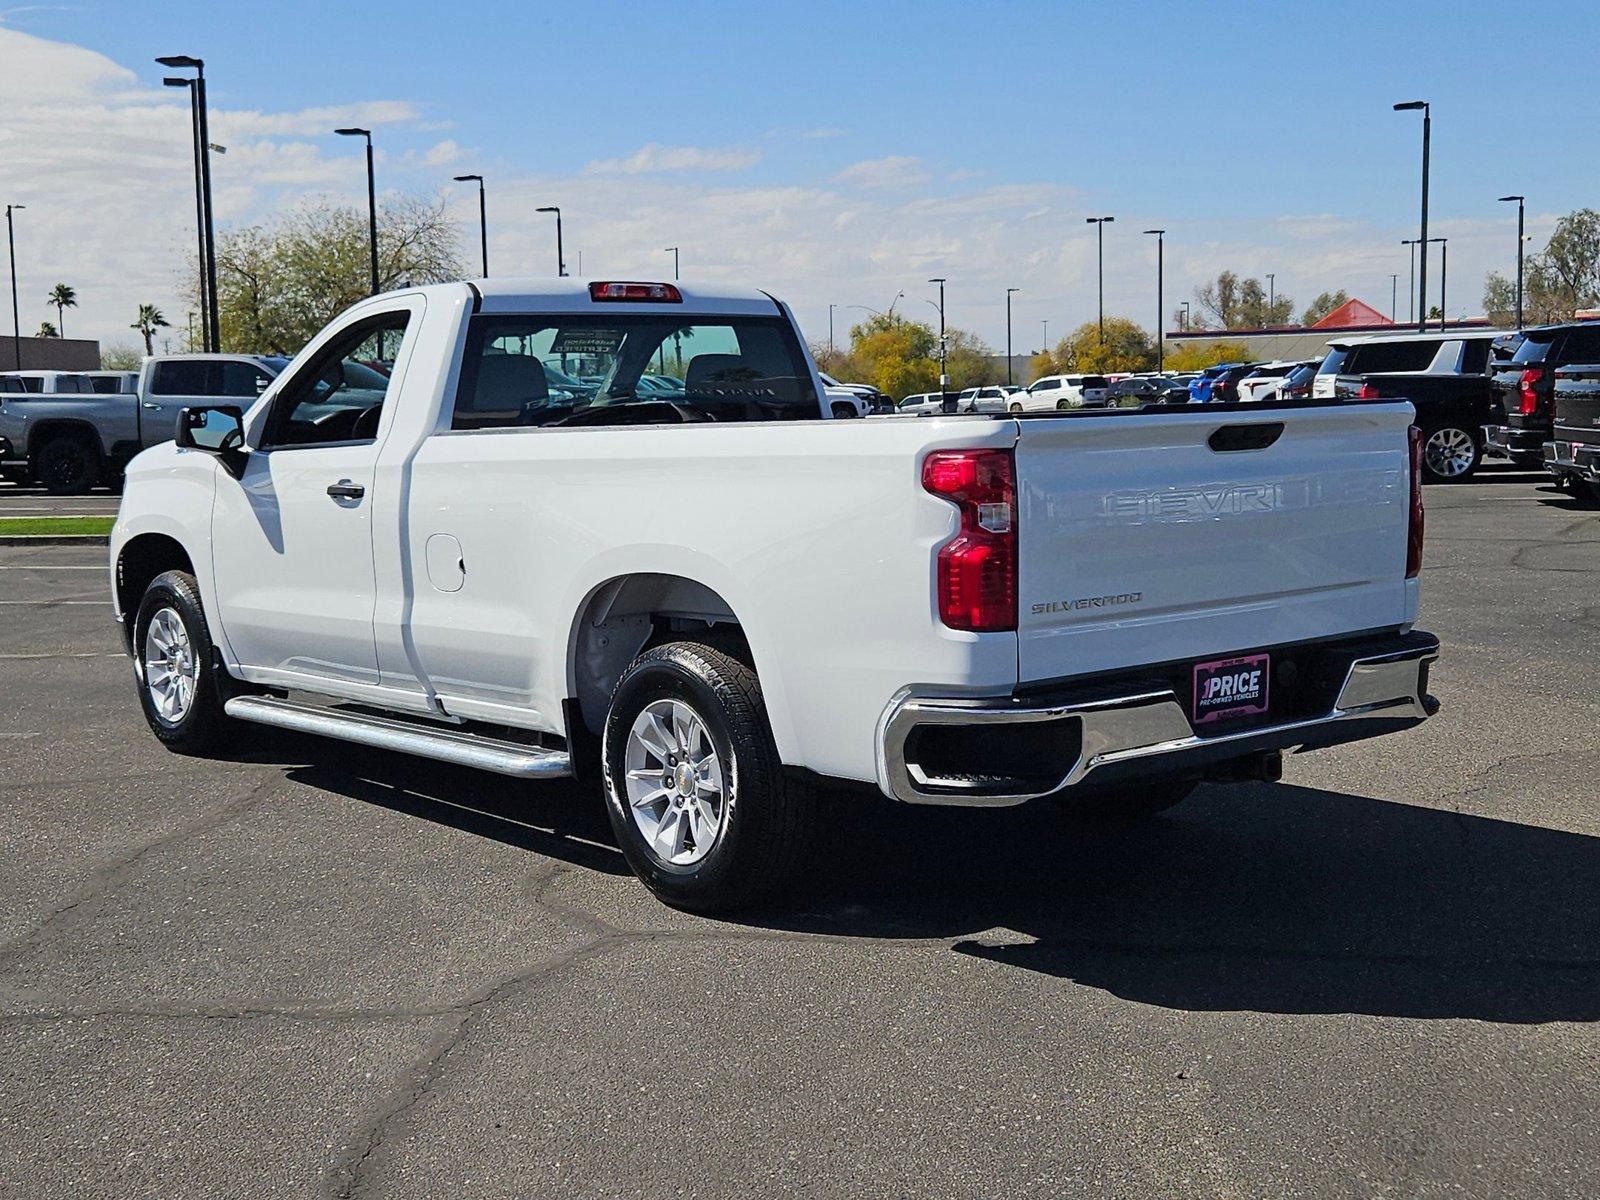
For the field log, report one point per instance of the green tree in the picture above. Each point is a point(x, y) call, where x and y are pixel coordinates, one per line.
point(970, 361)
point(1229, 302)
point(1559, 281)
point(1041, 364)
point(47, 330)
point(63, 297)
point(149, 320)
point(279, 283)
point(120, 358)
point(1324, 304)
point(1125, 347)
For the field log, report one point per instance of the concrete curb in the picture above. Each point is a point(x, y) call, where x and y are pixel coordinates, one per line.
point(55, 539)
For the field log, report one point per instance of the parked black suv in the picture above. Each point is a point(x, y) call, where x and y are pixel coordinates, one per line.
point(1524, 388)
point(1573, 457)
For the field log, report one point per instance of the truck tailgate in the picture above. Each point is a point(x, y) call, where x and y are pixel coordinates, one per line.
point(1157, 536)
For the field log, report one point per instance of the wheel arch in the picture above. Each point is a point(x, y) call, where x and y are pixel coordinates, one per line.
point(626, 614)
point(72, 427)
point(139, 560)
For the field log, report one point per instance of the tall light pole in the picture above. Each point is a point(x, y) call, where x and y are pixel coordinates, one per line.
point(483, 219)
point(372, 202)
point(898, 296)
point(1008, 333)
point(1161, 270)
point(199, 209)
point(1046, 324)
point(944, 375)
point(208, 239)
point(1186, 316)
point(16, 320)
point(831, 307)
point(1272, 295)
point(1521, 205)
point(1394, 295)
point(561, 256)
point(1411, 297)
point(673, 250)
point(1422, 238)
point(1444, 277)
point(1100, 230)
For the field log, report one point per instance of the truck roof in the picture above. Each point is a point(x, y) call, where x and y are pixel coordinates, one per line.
point(546, 294)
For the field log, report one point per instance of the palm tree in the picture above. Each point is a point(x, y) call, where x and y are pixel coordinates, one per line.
point(47, 330)
point(63, 297)
point(150, 319)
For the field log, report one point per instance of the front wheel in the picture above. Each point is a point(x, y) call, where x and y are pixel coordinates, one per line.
point(172, 664)
point(1449, 454)
point(1015, 409)
point(843, 411)
point(67, 465)
point(697, 797)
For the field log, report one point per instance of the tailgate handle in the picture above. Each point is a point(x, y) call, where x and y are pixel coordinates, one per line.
point(1245, 437)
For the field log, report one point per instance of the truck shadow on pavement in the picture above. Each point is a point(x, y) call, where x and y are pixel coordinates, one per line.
point(1252, 897)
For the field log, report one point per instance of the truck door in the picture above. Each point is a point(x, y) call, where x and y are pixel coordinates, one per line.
point(292, 538)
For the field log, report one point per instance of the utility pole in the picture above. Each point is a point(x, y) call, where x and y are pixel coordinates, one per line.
point(16, 320)
point(1521, 205)
point(1422, 238)
point(1161, 270)
point(1008, 333)
point(944, 375)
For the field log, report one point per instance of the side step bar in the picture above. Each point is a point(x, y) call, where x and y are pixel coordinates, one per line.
point(462, 749)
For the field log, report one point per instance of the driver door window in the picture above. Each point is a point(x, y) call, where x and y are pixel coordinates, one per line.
point(338, 396)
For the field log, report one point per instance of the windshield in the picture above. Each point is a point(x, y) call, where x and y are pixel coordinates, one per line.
point(1334, 363)
point(647, 369)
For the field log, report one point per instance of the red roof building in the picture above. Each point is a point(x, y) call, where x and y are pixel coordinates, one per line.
point(1353, 314)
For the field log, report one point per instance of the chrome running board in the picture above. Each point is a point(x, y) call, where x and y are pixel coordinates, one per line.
point(382, 733)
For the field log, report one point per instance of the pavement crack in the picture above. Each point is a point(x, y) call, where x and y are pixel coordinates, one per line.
point(108, 877)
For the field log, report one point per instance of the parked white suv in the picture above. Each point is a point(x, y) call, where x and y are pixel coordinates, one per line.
point(1064, 391)
point(1437, 353)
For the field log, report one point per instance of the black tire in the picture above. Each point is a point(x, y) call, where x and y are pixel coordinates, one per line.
point(1016, 408)
point(67, 464)
point(1455, 432)
point(841, 411)
point(764, 838)
point(204, 726)
point(1586, 492)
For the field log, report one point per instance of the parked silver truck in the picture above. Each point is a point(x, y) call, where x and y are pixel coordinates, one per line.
point(68, 437)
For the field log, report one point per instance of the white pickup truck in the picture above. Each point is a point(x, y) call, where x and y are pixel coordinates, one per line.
point(720, 602)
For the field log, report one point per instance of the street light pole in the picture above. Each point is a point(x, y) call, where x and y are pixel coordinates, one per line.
point(1100, 230)
point(1161, 271)
point(1444, 277)
point(831, 307)
point(1521, 204)
point(200, 122)
point(1394, 295)
point(673, 250)
point(944, 375)
point(1272, 295)
point(1046, 324)
point(1186, 316)
point(561, 256)
point(372, 202)
point(1411, 295)
point(1008, 333)
point(199, 209)
point(483, 219)
point(1422, 237)
point(16, 320)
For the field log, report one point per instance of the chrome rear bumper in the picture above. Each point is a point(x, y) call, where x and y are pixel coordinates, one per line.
point(1384, 692)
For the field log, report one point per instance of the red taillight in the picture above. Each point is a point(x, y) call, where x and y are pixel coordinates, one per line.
point(646, 293)
point(1527, 394)
point(1414, 534)
point(1369, 391)
point(977, 569)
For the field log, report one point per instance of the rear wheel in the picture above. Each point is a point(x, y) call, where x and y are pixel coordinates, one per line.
point(66, 465)
point(1016, 408)
point(172, 665)
point(841, 411)
point(1449, 453)
point(697, 797)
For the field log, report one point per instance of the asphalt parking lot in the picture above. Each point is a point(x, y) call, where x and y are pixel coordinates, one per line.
point(316, 970)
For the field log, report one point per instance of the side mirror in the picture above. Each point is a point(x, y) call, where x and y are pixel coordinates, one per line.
point(218, 431)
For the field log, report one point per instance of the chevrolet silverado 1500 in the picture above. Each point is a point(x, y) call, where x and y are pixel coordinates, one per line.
point(718, 601)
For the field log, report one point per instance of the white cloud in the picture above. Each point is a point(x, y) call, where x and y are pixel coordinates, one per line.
point(313, 122)
point(658, 158)
point(894, 171)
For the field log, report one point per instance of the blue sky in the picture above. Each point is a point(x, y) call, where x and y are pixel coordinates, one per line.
point(839, 152)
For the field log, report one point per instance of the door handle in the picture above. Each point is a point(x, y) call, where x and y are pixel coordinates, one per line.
point(345, 490)
point(149, 404)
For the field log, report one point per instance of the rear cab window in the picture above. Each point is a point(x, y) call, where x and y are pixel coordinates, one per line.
point(585, 369)
point(1333, 364)
point(1378, 358)
point(1534, 348)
